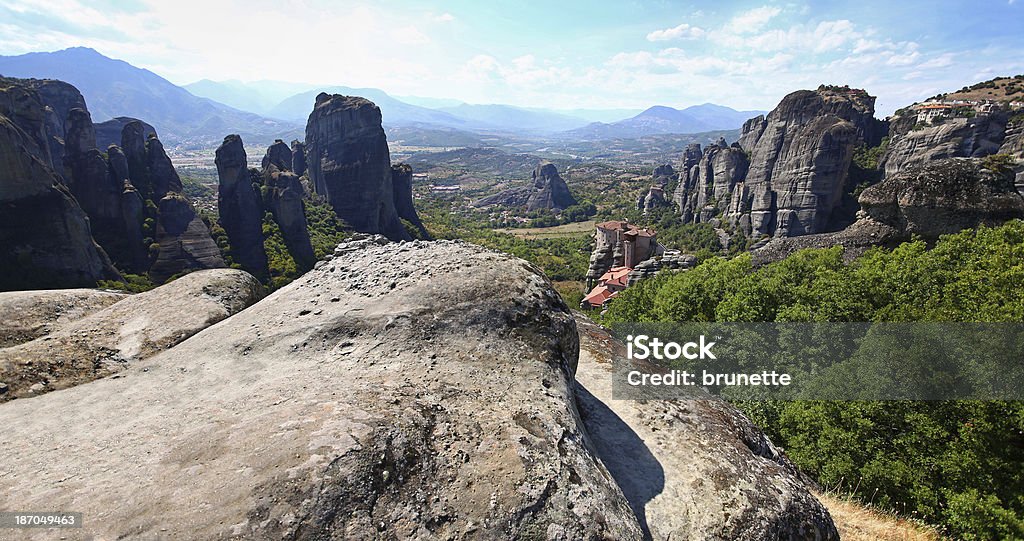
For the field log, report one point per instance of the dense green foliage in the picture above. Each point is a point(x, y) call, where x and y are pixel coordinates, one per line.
point(133, 283)
point(283, 268)
point(326, 229)
point(196, 189)
point(864, 166)
point(958, 464)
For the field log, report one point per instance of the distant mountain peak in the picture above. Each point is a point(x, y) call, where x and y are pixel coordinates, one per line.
point(114, 88)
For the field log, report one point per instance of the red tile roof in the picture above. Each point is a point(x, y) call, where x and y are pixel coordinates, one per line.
point(613, 225)
point(599, 296)
point(618, 276)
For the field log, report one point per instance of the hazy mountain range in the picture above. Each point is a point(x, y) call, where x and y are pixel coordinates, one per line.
point(665, 120)
point(115, 88)
point(203, 112)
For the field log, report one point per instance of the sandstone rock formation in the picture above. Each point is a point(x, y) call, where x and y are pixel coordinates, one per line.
point(31, 314)
point(184, 240)
point(550, 191)
point(349, 163)
point(547, 190)
point(45, 237)
point(692, 469)
point(708, 188)
point(240, 207)
point(911, 144)
point(134, 328)
point(648, 268)
point(58, 98)
point(942, 197)
point(460, 425)
point(279, 155)
point(800, 156)
point(109, 132)
point(691, 157)
point(663, 174)
point(298, 157)
point(928, 200)
point(162, 175)
point(787, 176)
point(1013, 145)
point(133, 144)
point(653, 199)
point(401, 179)
point(104, 190)
point(286, 204)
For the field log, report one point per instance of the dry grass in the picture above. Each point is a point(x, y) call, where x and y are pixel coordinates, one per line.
point(857, 522)
point(1000, 92)
point(574, 229)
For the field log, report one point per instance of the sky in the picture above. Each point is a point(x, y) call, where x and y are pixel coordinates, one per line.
point(563, 55)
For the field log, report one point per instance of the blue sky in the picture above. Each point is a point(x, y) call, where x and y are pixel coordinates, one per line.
point(566, 54)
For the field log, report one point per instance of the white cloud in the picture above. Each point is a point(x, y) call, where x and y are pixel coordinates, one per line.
point(941, 61)
point(683, 31)
point(443, 18)
point(376, 48)
point(753, 20)
point(824, 37)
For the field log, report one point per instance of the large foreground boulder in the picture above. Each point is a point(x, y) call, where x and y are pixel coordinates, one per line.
point(31, 314)
point(413, 391)
point(109, 340)
point(692, 469)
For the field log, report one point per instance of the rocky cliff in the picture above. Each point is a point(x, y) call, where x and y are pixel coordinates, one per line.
point(162, 175)
point(464, 422)
point(45, 236)
point(546, 190)
point(184, 240)
point(182, 237)
point(550, 191)
point(285, 199)
point(913, 144)
point(58, 98)
point(298, 157)
point(240, 207)
point(941, 197)
point(112, 186)
point(401, 179)
point(707, 189)
point(349, 163)
point(800, 156)
point(925, 200)
point(101, 184)
point(1013, 145)
point(109, 132)
point(133, 144)
point(279, 155)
